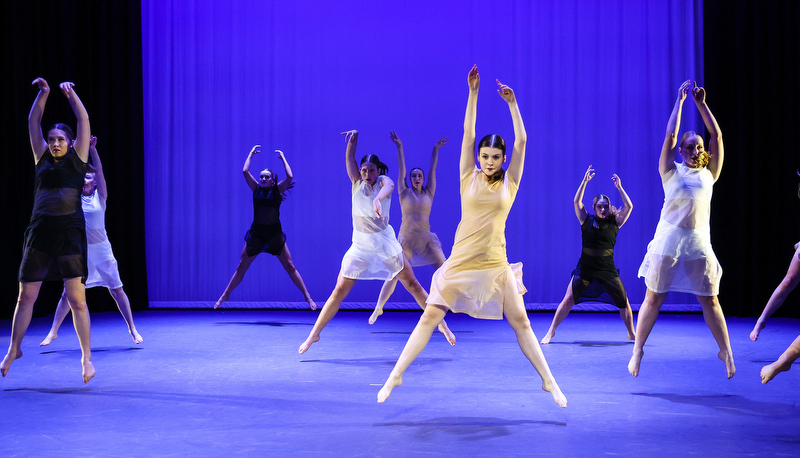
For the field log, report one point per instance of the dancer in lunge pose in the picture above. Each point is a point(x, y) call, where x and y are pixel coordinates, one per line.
point(265, 234)
point(680, 257)
point(599, 235)
point(421, 246)
point(477, 278)
point(55, 240)
point(375, 253)
point(102, 265)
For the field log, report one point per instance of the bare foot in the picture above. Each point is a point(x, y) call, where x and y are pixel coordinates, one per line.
point(756, 330)
point(6, 364)
point(448, 334)
point(546, 339)
point(636, 360)
point(552, 387)
point(220, 301)
point(375, 314)
point(307, 344)
point(390, 384)
point(727, 358)
point(631, 335)
point(311, 303)
point(137, 339)
point(88, 371)
point(770, 371)
point(51, 336)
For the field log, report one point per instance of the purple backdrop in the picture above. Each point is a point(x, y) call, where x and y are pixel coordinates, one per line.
point(595, 82)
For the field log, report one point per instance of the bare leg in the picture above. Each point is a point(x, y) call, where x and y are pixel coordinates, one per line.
point(779, 295)
point(124, 306)
point(238, 275)
point(514, 309)
point(386, 292)
point(784, 363)
point(561, 312)
point(76, 295)
point(61, 312)
point(627, 317)
point(28, 292)
point(286, 259)
point(409, 281)
point(419, 338)
point(343, 287)
point(648, 314)
point(715, 320)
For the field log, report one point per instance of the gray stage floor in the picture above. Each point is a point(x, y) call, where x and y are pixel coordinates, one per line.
point(214, 383)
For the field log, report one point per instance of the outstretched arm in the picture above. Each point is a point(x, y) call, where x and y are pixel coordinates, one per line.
point(83, 130)
point(351, 138)
point(38, 143)
point(431, 186)
point(666, 161)
point(577, 202)
point(467, 162)
point(99, 176)
point(517, 163)
point(286, 183)
point(716, 151)
point(248, 177)
point(625, 211)
point(402, 184)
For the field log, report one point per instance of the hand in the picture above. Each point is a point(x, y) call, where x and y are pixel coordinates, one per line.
point(395, 138)
point(505, 92)
point(280, 155)
point(589, 174)
point(92, 141)
point(350, 136)
point(42, 85)
point(617, 181)
point(698, 94)
point(376, 206)
point(442, 141)
point(255, 150)
point(67, 88)
point(683, 90)
point(473, 78)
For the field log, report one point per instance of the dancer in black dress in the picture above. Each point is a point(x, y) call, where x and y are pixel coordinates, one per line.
point(55, 241)
point(599, 234)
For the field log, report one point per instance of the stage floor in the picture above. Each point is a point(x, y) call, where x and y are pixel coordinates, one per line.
point(216, 383)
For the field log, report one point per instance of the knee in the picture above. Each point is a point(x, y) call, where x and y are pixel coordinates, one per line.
point(431, 316)
point(519, 322)
point(78, 306)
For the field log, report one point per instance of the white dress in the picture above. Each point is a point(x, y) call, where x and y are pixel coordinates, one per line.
point(102, 265)
point(680, 257)
point(375, 253)
point(477, 279)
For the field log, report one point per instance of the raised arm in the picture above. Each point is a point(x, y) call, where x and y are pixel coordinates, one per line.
point(351, 138)
point(83, 131)
point(248, 177)
point(402, 184)
point(286, 183)
point(716, 151)
point(580, 210)
point(625, 211)
point(666, 161)
point(517, 162)
point(38, 143)
point(431, 186)
point(467, 162)
point(387, 186)
point(99, 177)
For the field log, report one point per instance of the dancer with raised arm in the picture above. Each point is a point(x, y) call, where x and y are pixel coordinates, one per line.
point(102, 265)
point(375, 253)
point(680, 257)
point(55, 240)
point(599, 235)
point(477, 278)
point(421, 246)
point(265, 234)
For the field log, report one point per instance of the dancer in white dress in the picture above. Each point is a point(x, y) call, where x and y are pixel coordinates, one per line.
point(421, 246)
point(102, 265)
point(375, 253)
point(680, 257)
point(477, 278)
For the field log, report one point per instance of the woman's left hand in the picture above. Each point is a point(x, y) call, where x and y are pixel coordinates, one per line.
point(698, 94)
point(505, 92)
point(67, 88)
point(376, 206)
point(280, 155)
point(616, 180)
point(442, 141)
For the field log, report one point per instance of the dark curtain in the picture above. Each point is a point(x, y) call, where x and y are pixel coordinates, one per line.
point(96, 45)
point(753, 71)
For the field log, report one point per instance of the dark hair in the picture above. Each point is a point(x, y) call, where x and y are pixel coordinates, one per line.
point(417, 168)
point(275, 181)
point(494, 141)
point(702, 160)
point(65, 128)
point(373, 159)
point(612, 211)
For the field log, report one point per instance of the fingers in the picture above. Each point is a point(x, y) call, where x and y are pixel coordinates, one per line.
point(41, 83)
point(92, 141)
point(255, 149)
point(66, 87)
point(280, 153)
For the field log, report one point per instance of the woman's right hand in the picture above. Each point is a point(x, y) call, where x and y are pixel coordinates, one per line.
point(395, 138)
point(42, 85)
point(684, 90)
point(589, 174)
point(474, 78)
point(442, 141)
point(255, 150)
point(92, 142)
point(350, 136)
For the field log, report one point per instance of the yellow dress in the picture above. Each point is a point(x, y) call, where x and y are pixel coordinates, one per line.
point(477, 278)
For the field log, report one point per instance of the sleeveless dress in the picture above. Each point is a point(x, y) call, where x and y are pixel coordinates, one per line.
point(680, 257)
point(375, 253)
point(55, 240)
point(265, 234)
point(420, 245)
point(596, 263)
point(477, 279)
point(103, 269)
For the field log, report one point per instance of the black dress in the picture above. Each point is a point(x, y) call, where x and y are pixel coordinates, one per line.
point(55, 240)
point(265, 234)
point(597, 260)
